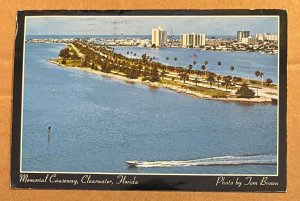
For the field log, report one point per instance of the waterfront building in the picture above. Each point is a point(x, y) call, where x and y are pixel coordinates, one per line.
point(249, 40)
point(260, 36)
point(159, 37)
point(192, 40)
point(272, 37)
point(267, 37)
point(242, 34)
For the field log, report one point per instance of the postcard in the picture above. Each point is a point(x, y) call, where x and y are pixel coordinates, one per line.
point(187, 100)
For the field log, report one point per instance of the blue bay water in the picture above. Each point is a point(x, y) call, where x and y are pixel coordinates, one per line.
point(98, 123)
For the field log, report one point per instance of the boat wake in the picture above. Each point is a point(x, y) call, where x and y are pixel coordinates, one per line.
point(212, 161)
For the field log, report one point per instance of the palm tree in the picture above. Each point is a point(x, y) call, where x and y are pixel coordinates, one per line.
point(194, 62)
point(219, 63)
point(154, 74)
point(231, 68)
point(227, 80)
point(257, 74)
point(175, 59)
point(269, 81)
point(190, 68)
point(262, 79)
point(163, 74)
point(211, 79)
point(218, 78)
point(203, 67)
point(183, 75)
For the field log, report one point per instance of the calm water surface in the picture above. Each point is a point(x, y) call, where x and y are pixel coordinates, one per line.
point(98, 123)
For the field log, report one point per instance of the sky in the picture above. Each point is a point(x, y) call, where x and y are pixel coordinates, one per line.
point(139, 25)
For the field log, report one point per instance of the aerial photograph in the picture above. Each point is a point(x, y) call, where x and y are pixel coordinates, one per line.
point(170, 95)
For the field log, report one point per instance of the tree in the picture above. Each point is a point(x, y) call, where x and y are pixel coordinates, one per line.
point(227, 80)
point(219, 63)
point(257, 73)
point(144, 57)
point(260, 74)
point(175, 59)
point(65, 53)
point(105, 67)
point(203, 67)
point(183, 75)
point(206, 62)
point(231, 68)
point(194, 63)
point(64, 61)
point(190, 68)
point(146, 72)
point(211, 79)
point(219, 78)
point(75, 56)
point(163, 74)
point(262, 79)
point(245, 92)
point(269, 81)
point(154, 74)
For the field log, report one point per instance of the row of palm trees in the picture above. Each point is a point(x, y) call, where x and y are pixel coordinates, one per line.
point(190, 67)
point(105, 59)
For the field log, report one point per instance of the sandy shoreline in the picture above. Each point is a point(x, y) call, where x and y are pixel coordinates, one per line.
point(168, 86)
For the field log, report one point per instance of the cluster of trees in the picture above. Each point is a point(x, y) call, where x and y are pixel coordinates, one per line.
point(245, 92)
point(261, 75)
point(68, 53)
point(103, 58)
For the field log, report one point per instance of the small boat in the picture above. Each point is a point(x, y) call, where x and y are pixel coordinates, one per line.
point(132, 163)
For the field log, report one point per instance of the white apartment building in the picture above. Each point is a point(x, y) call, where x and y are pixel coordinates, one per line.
point(242, 34)
point(159, 37)
point(192, 40)
point(266, 37)
point(249, 40)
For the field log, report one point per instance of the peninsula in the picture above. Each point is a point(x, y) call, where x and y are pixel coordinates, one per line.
point(102, 60)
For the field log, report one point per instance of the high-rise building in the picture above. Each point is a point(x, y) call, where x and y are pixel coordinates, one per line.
point(192, 40)
point(242, 34)
point(249, 40)
point(159, 37)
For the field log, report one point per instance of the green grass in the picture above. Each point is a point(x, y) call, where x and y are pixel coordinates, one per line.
point(70, 62)
point(206, 91)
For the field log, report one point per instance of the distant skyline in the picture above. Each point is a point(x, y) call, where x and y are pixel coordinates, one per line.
point(141, 25)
